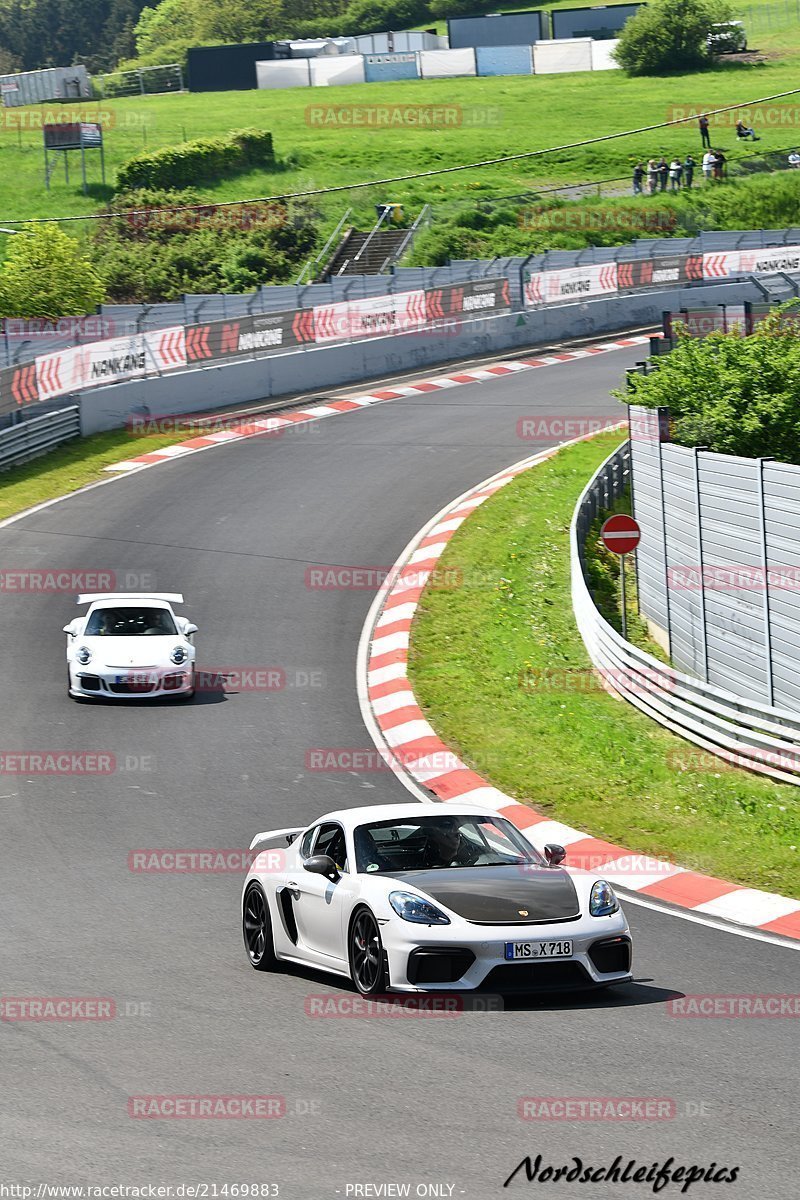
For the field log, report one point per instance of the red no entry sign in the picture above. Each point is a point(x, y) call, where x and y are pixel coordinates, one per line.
point(621, 534)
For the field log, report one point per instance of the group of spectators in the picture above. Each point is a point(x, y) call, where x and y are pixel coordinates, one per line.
point(658, 173)
point(678, 174)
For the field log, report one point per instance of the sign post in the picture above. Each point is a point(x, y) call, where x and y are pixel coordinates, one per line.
point(621, 535)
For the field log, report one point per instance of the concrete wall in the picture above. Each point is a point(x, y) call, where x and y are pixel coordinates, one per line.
point(223, 385)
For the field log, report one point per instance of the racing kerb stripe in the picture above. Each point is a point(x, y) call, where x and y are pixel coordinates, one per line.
point(278, 421)
point(412, 747)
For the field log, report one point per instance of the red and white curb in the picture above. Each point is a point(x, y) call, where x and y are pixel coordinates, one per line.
point(413, 750)
point(277, 422)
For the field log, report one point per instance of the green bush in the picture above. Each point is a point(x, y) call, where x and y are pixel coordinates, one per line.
point(669, 36)
point(202, 161)
point(150, 253)
point(732, 394)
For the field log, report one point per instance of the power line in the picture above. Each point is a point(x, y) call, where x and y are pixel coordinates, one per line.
point(349, 187)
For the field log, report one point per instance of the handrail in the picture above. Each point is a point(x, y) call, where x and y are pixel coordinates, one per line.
point(375, 229)
point(757, 736)
point(312, 262)
point(423, 214)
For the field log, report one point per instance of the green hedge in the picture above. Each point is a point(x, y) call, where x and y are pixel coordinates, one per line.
point(202, 161)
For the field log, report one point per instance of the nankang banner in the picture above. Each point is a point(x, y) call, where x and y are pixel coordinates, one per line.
point(571, 283)
point(215, 341)
point(475, 296)
point(665, 271)
point(769, 262)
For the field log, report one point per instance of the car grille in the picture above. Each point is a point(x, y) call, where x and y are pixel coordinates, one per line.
point(539, 977)
point(133, 689)
point(438, 966)
point(89, 683)
point(612, 954)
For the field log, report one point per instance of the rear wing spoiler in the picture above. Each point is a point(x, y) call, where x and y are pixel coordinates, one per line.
point(170, 597)
point(274, 835)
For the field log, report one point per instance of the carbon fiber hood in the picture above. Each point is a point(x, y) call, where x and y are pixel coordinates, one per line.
point(499, 895)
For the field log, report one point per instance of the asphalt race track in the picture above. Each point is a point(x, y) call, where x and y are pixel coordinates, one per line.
point(368, 1101)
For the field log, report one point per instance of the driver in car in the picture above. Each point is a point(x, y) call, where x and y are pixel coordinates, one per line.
point(447, 846)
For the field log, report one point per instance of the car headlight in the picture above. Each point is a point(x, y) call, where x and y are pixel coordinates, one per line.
point(602, 900)
point(414, 908)
point(179, 655)
point(84, 655)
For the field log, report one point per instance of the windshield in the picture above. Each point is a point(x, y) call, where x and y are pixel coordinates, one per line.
point(130, 622)
point(428, 843)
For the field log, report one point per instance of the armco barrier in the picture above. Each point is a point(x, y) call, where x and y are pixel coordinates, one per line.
point(156, 352)
point(756, 736)
point(642, 264)
point(233, 381)
point(37, 435)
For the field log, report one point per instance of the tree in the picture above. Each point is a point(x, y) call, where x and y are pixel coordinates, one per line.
point(733, 394)
point(667, 36)
point(46, 274)
point(240, 20)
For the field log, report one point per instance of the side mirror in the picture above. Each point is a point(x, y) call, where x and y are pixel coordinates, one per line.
point(554, 854)
point(321, 864)
point(189, 629)
point(70, 629)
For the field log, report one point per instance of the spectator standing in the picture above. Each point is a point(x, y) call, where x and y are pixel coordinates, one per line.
point(663, 173)
point(638, 176)
point(720, 162)
point(675, 173)
point(652, 176)
point(688, 171)
point(704, 134)
point(794, 159)
point(708, 165)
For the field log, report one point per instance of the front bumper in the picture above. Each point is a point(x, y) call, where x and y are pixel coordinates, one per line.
point(107, 684)
point(471, 957)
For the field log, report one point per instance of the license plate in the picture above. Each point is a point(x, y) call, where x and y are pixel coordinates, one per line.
point(516, 951)
point(142, 680)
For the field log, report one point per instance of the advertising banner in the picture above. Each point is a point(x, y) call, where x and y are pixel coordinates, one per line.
point(376, 316)
point(571, 283)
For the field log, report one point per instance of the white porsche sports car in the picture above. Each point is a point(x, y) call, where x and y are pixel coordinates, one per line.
point(427, 897)
point(130, 644)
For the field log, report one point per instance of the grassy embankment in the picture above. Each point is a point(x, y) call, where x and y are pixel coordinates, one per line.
point(503, 676)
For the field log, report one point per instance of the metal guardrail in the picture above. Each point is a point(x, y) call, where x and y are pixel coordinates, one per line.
point(745, 734)
point(28, 439)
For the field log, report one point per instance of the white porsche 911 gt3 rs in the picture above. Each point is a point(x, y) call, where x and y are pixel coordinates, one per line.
point(426, 897)
point(130, 644)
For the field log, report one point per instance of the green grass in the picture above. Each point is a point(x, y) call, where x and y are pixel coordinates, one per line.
point(574, 752)
point(500, 116)
point(72, 466)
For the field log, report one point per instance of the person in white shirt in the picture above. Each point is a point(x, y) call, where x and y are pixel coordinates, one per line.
point(709, 162)
point(794, 159)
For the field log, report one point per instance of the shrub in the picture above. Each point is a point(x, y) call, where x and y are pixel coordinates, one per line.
point(159, 255)
point(46, 274)
point(667, 36)
point(202, 161)
point(733, 394)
